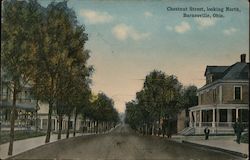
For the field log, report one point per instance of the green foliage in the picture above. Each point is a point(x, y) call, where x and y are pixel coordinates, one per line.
point(160, 98)
point(45, 47)
point(134, 114)
point(245, 138)
point(17, 40)
point(19, 135)
point(189, 98)
point(103, 109)
point(19, 47)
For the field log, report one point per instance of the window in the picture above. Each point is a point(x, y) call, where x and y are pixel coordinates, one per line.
point(211, 77)
point(223, 115)
point(237, 92)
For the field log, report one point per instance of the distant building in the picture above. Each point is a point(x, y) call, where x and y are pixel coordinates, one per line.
point(223, 99)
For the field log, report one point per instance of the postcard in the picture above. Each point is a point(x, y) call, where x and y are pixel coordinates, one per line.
point(124, 79)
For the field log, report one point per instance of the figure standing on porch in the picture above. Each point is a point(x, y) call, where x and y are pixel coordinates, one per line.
point(238, 129)
point(206, 131)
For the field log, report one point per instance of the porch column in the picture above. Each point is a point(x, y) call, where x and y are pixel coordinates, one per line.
point(190, 119)
point(217, 117)
point(200, 118)
point(41, 125)
point(56, 124)
point(237, 114)
point(213, 122)
point(229, 117)
point(195, 118)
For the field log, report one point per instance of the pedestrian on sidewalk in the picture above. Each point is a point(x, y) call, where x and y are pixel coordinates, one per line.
point(238, 129)
point(206, 131)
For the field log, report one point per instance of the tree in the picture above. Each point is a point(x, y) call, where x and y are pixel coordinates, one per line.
point(104, 111)
point(43, 53)
point(162, 93)
point(82, 102)
point(18, 47)
point(190, 97)
point(134, 115)
point(74, 76)
point(159, 99)
point(61, 50)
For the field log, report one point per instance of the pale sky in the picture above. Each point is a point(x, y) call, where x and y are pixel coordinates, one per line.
point(128, 39)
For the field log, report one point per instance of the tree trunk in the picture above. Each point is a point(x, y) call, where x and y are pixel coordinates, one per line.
point(97, 126)
point(153, 128)
point(67, 136)
point(49, 124)
point(74, 133)
point(103, 127)
point(60, 126)
point(159, 126)
point(12, 121)
point(37, 115)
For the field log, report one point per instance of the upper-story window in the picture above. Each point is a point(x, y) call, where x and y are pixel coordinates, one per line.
point(209, 78)
point(237, 92)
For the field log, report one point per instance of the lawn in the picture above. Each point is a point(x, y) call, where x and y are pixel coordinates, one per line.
point(244, 138)
point(4, 135)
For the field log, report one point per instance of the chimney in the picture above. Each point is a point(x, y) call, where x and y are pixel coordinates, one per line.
point(243, 58)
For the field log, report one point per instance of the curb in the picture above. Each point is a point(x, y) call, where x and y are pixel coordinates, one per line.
point(42, 145)
point(64, 139)
point(239, 154)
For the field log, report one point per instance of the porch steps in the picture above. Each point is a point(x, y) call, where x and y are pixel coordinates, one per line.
point(187, 131)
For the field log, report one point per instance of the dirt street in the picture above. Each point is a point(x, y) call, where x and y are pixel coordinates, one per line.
point(121, 144)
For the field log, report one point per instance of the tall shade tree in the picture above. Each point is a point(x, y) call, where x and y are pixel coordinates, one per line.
point(19, 47)
point(162, 93)
point(82, 101)
point(104, 111)
point(61, 51)
point(190, 97)
point(134, 115)
point(158, 99)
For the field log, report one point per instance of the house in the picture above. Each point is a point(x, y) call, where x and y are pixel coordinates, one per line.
point(31, 114)
point(25, 107)
point(223, 99)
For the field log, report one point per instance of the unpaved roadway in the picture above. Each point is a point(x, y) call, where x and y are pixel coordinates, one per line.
point(121, 144)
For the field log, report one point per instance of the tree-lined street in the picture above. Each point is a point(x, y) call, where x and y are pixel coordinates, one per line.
point(121, 143)
point(50, 58)
point(46, 64)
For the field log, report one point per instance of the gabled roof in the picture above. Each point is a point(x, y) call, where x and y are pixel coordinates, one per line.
point(236, 71)
point(215, 69)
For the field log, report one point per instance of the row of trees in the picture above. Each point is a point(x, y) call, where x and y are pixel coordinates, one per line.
point(43, 47)
point(156, 106)
point(102, 113)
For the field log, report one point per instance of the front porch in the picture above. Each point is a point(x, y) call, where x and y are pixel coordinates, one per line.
point(219, 118)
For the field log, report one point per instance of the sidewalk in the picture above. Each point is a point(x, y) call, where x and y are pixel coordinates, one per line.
point(30, 143)
point(222, 143)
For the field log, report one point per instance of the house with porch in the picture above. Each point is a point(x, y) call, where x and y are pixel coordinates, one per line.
point(223, 99)
point(30, 113)
point(25, 107)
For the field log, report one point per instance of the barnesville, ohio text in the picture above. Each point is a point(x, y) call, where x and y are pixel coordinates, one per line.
point(197, 11)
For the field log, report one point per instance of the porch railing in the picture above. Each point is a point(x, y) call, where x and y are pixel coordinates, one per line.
point(206, 124)
point(219, 124)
